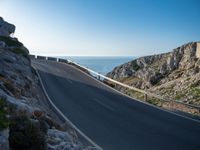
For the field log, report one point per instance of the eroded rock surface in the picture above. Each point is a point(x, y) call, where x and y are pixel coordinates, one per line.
point(20, 88)
point(6, 29)
point(175, 74)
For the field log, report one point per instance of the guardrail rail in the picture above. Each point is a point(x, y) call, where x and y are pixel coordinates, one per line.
point(100, 76)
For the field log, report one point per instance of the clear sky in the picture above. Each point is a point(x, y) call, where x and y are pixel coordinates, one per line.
point(103, 27)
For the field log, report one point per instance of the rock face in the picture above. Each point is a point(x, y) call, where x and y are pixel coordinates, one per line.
point(198, 50)
point(20, 87)
point(6, 28)
point(4, 144)
point(58, 140)
point(175, 74)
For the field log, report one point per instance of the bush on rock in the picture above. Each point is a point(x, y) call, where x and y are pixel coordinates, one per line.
point(26, 134)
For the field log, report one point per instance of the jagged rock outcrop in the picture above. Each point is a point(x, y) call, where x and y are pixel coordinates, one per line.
point(160, 72)
point(6, 29)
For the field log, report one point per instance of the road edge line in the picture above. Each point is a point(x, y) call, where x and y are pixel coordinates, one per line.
point(63, 116)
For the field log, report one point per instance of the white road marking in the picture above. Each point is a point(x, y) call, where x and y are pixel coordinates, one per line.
point(69, 81)
point(104, 105)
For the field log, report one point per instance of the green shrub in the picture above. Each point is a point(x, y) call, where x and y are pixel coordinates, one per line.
point(179, 96)
point(26, 134)
point(4, 122)
point(154, 101)
point(10, 42)
point(17, 46)
point(196, 84)
point(135, 94)
point(196, 91)
point(21, 50)
point(135, 66)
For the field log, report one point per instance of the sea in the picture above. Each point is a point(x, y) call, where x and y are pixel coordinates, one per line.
point(100, 64)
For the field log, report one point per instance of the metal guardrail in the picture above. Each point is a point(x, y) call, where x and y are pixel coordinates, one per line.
point(136, 89)
point(146, 93)
point(41, 57)
point(52, 58)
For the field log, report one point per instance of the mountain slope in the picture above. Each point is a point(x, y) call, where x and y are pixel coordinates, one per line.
point(173, 75)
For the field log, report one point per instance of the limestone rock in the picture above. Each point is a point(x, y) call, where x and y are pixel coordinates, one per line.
point(198, 50)
point(58, 140)
point(20, 86)
point(6, 29)
point(154, 71)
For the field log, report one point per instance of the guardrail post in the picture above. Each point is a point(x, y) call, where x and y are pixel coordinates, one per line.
point(32, 56)
point(145, 97)
point(115, 85)
point(98, 77)
point(171, 105)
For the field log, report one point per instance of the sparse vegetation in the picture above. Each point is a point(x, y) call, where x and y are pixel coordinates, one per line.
point(11, 42)
point(154, 101)
point(179, 96)
point(196, 84)
point(135, 94)
point(26, 134)
point(21, 50)
point(135, 65)
point(196, 93)
point(128, 80)
point(4, 122)
point(17, 47)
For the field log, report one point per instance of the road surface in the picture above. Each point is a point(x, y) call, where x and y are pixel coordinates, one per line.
point(112, 120)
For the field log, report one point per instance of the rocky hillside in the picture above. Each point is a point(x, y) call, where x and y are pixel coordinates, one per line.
point(174, 75)
point(26, 120)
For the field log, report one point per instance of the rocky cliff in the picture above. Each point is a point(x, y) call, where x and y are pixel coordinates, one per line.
point(26, 120)
point(6, 29)
point(174, 75)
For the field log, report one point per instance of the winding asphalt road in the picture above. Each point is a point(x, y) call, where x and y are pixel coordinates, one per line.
point(112, 120)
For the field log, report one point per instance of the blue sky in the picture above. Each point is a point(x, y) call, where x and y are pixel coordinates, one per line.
point(103, 27)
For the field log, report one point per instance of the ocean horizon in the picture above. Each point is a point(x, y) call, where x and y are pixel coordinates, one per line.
point(100, 64)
